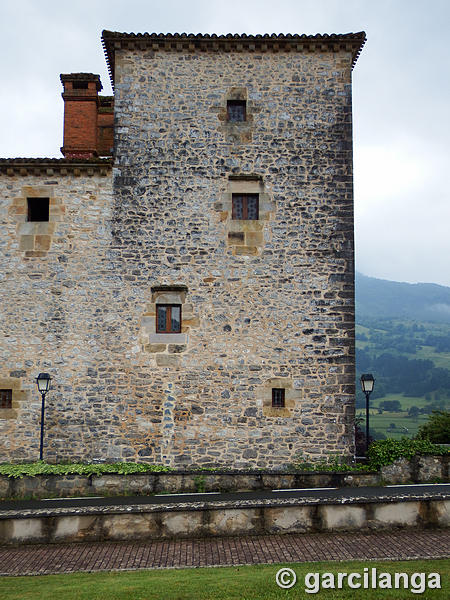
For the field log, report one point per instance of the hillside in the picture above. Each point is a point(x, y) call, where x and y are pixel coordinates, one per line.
point(403, 338)
point(392, 299)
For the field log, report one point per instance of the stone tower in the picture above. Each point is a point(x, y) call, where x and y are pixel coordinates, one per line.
point(193, 298)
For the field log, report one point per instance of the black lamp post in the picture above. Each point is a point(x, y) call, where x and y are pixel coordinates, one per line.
point(43, 383)
point(367, 383)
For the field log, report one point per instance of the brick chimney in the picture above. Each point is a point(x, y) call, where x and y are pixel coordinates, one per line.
point(81, 104)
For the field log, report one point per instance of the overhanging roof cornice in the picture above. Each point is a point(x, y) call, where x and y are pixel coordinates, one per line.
point(190, 42)
point(55, 166)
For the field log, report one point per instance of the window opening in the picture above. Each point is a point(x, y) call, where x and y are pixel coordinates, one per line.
point(236, 110)
point(168, 318)
point(80, 85)
point(245, 207)
point(278, 397)
point(5, 398)
point(38, 209)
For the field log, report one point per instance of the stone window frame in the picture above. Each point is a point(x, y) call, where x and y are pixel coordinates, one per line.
point(236, 132)
point(245, 237)
point(167, 348)
point(18, 396)
point(35, 237)
point(292, 397)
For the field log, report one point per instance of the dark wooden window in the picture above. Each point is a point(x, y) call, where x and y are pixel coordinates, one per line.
point(278, 397)
point(168, 318)
point(38, 209)
point(236, 110)
point(5, 398)
point(245, 207)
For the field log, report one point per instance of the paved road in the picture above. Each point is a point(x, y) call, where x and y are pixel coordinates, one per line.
point(264, 549)
point(331, 494)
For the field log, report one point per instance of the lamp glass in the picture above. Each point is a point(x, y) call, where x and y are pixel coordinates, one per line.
point(367, 383)
point(43, 382)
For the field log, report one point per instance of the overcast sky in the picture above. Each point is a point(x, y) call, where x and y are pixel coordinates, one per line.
point(401, 91)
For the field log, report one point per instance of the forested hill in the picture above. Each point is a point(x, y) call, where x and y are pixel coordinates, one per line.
point(379, 298)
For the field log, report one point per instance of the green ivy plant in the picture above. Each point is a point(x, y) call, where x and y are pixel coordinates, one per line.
point(385, 452)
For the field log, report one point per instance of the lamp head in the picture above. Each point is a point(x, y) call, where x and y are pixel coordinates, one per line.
point(367, 383)
point(43, 382)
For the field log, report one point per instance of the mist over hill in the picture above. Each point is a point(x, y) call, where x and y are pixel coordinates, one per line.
point(379, 298)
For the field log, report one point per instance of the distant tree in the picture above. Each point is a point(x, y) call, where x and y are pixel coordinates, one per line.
point(437, 428)
point(391, 405)
point(414, 412)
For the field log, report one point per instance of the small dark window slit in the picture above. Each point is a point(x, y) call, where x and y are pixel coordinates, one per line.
point(278, 397)
point(38, 209)
point(5, 398)
point(236, 110)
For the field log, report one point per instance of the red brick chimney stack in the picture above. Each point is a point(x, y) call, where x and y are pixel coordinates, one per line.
point(81, 104)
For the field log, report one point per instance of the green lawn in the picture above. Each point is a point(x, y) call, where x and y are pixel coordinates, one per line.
point(231, 583)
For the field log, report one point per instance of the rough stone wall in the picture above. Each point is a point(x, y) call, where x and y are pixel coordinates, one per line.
point(54, 312)
point(272, 301)
point(265, 304)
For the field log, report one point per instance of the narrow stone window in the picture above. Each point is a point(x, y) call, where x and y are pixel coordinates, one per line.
point(5, 399)
point(237, 110)
point(168, 318)
point(245, 207)
point(38, 209)
point(278, 397)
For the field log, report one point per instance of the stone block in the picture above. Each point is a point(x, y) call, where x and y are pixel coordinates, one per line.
point(75, 528)
point(290, 519)
point(26, 242)
point(166, 360)
point(234, 521)
point(42, 242)
point(155, 348)
point(398, 514)
point(182, 524)
point(137, 526)
point(342, 518)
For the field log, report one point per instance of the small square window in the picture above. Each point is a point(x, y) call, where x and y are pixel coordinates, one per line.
point(168, 318)
point(278, 397)
point(5, 399)
point(237, 110)
point(245, 207)
point(38, 209)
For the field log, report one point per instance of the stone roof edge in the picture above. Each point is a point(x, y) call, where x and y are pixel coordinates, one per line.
point(179, 42)
point(51, 166)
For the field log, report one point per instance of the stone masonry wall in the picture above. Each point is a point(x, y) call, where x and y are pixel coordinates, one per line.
point(268, 303)
point(54, 303)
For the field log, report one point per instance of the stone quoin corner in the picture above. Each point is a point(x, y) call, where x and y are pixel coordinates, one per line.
point(185, 273)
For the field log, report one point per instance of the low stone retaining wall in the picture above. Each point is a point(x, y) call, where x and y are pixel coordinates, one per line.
point(201, 519)
point(422, 469)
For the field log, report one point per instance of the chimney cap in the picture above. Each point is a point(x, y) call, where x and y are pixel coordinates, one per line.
point(85, 77)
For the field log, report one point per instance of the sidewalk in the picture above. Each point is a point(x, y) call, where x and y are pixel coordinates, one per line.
point(208, 552)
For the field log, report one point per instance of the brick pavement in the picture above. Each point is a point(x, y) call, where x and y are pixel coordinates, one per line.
point(107, 556)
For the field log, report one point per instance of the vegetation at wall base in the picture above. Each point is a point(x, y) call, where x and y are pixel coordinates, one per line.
point(381, 452)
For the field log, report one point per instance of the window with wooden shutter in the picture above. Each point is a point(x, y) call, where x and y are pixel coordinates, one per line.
point(245, 207)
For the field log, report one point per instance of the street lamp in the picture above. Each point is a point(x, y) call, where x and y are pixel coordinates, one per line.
point(43, 383)
point(367, 383)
